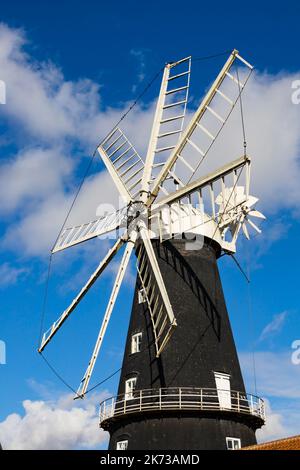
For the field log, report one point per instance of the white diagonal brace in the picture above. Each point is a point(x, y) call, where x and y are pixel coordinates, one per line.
point(60, 321)
point(120, 275)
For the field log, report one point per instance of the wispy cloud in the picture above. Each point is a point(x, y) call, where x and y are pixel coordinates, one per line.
point(275, 325)
point(10, 274)
point(140, 55)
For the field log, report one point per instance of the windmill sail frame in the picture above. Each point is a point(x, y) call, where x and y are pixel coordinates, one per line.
point(141, 185)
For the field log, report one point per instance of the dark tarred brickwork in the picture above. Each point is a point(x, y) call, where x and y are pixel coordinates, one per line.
point(201, 345)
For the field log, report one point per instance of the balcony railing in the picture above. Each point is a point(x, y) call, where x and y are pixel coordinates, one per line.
point(182, 398)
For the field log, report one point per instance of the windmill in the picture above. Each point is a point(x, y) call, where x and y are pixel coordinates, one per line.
point(181, 386)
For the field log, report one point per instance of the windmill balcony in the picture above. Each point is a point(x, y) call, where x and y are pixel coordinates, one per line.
point(181, 399)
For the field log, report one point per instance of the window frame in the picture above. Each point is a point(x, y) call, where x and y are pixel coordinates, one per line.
point(233, 440)
point(142, 296)
point(124, 441)
point(136, 342)
point(129, 393)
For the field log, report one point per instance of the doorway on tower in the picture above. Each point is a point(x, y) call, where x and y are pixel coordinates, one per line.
point(223, 389)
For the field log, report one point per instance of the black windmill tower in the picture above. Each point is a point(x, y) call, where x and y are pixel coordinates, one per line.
point(181, 385)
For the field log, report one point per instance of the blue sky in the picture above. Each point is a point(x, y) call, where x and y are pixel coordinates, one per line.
point(70, 73)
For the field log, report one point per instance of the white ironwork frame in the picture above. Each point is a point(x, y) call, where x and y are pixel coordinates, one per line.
point(180, 398)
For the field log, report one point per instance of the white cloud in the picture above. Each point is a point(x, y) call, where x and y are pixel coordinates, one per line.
point(281, 421)
point(64, 117)
point(59, 424)
point(38, 97)
point(274, 427)
point(278, 384)
point(37, 185)
point(33, 175)
point(36, 231)
point(276, 375)
point(275, 325)
point(10, 274)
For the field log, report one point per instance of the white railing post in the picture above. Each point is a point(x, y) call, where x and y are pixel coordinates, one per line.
point(201, 399)
point(141, 391)
point(251, 405)
point(180, 398)
point(112, 409)
point(238, 401)
point(262, 409)
point(160, 398)
point(124, 407)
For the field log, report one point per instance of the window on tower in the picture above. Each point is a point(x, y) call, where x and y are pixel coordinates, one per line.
point(142, 296)
point(233, 443)
point(122, 445)
point(130, 386)
point(136, 341)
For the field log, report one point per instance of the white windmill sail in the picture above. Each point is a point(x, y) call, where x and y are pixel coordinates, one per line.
point(160, 309)
point(48, 335)
point(123, 163)
point(71, 236)
point(198, 138)
point(169, 118)
point(194, 186)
